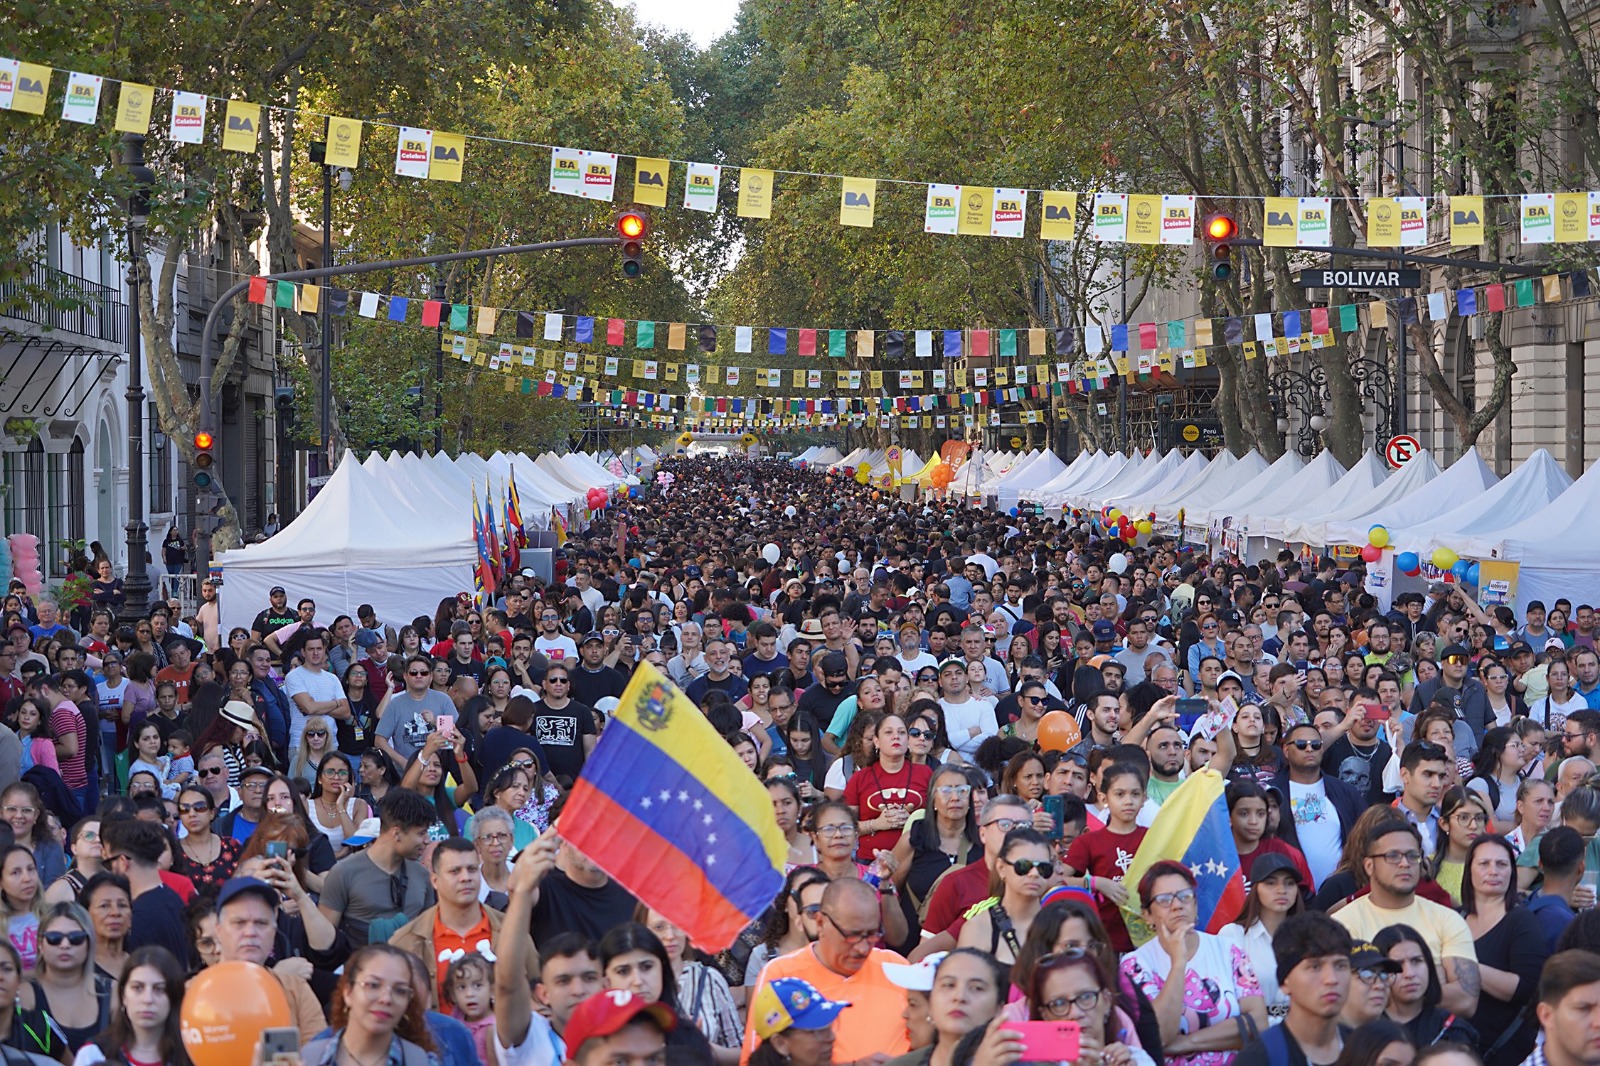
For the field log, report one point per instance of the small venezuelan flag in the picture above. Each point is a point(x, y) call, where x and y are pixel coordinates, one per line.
point(1193, 827)
point(666, 807)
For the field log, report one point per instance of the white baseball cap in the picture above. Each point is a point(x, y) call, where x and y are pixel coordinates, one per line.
point(917, 976)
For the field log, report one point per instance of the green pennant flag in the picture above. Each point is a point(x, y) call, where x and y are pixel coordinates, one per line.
point(836, 343)
point(1008, 344)
point(458, 316)
point(1347, 318)
point(527, 386)
point(1177, 334)
point(284, 296)
point(1524, 293)
point(645, 335)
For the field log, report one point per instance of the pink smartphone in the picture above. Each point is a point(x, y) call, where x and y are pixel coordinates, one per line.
point(447, 725)
point(1047, 1041)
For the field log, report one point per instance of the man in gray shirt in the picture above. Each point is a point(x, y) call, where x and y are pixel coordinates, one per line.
point(383, 884)
point(413, 713)
point(1133, 656)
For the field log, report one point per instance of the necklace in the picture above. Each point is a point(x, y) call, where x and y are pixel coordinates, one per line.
point(356, 1058)
point(215, 850)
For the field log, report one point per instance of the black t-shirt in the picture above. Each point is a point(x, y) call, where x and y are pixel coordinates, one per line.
point(820, 704)
point(561, 733)
point(1361, 769)
point(268, 621)
point(471, 668)
point(158, 919)
point(591, 686)
point(1256, 1053)
point(567, 907)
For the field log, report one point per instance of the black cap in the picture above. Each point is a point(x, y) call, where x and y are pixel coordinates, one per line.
point(1272, 862)
point(235, 887)
point(592, 636)
point(1453, 649)
point(1521, 647)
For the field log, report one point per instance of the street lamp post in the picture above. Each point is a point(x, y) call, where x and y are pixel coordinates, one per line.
point(136, 585)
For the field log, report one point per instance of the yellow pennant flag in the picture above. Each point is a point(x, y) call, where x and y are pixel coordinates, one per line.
point(875, 379)
point(1278, 228)
point(1060, 211)
point(864, 343)
point(677, 334)
point(344, 142)
point(1572, 217)
point(133, 108)
point(1552, 284)
point(486, 320)
point(1202, 333)
point(449, 153)
point(1144, 219)
point(755, 193)
point(1377, 314)
point(975, 212)
point(1466, 220)
point(856, 199)
point(241, 126)
point(310, 299)
point(33, 89)
point(1035, 341)
point(650, 181)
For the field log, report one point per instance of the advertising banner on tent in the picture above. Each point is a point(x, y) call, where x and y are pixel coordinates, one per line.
point(1497, 582)
point(1379, 581)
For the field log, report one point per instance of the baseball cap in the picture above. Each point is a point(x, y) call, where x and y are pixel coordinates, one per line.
point(606, 1013)
point(1103, 631)
point(235, 887)
point(367, 639)
point(365, 833)
point(1364, 955)
point(254, 771)
point(916, 976)
point(1521, 647)
point(1555, 644)
point(790, 1003)
point(1229, 675)
point(1453, 649)
point(591, 637)
point(1272, 862)
point(957, 663)
point(277, 590)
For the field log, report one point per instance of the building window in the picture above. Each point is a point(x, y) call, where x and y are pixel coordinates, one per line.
point(159, 460)
point(77, 491)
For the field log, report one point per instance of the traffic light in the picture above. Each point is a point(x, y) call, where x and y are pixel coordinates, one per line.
point(204, 461)
point(633, 226)
point(1219, 228)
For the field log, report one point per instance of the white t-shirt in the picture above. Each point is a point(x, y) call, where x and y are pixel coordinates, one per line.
point(959, 718)
point(320, 685)
point(1552, 713)
point(557, 649)
point(1317, 824)
point(921, 661)
point(110, 698)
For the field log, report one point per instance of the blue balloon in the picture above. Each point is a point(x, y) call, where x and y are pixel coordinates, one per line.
point(1407, 562)
point(1473, 575)
point(1459, 570)
point(1015, 511)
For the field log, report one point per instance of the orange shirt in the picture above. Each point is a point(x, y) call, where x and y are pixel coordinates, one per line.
point(874, 1020)
point(446, 942)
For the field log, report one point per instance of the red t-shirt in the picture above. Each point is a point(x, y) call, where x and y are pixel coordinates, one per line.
point(1104, 853)
point(871, 789)
point(955, 895)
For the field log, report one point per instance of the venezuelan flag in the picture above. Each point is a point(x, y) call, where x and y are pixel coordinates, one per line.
point(666, 807)
point(1192, 825)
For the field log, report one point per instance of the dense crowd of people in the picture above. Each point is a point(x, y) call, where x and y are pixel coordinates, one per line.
point(966, 722)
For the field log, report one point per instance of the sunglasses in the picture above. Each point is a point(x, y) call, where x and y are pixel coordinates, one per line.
point(193, 808)
point(316, 732)
point(1025, 866)
point(76, 938)
point(419, 673)
point(214, 771)
point(919, 734)
point(1308, 745)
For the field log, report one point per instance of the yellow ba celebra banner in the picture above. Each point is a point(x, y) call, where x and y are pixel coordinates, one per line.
point(241, 126)
point(449, 154)
point(1466, 220)
point(856, 196)
point(1056, 224)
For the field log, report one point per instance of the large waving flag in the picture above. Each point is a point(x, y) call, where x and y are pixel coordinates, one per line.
point(483, 575)
point(559, 524)
point(1192, 825)
point(666, 807)
point(489, 531)
point(516, 535)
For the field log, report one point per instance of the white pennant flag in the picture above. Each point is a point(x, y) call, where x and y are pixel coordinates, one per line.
point(369, 305)
point(188, 118)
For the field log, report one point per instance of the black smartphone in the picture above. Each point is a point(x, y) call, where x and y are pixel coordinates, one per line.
point(1057, 808)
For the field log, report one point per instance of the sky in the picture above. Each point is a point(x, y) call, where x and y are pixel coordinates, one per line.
point(703, 20)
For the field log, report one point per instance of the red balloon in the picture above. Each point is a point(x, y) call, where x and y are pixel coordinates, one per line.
point(597, 498)
point(1371, 553)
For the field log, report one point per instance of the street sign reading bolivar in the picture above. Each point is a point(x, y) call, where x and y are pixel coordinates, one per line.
point(1361, 278)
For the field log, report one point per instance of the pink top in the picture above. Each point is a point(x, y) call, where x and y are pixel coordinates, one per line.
point(44, 753)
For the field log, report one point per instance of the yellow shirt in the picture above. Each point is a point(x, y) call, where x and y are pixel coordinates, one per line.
point(874, 1020)
point(1445, 931)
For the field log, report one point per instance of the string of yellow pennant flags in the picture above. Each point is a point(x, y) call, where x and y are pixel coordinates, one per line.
point(967, 210)
point(1003, 366)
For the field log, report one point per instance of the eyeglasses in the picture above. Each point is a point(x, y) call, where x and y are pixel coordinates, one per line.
point(1375, 977)
point(252, 786)
point(1167, 899)
point(1062, 1005)
point(372, 988)
point(836, 830)
point(76, 938)
point(495, 838)
point(1024, 867)
point(959, 791)
point(1307, 745)
point(1469, 819)
point(1397, 858)
point(919, 734)
point(419, 673)
point(849, 937)
point(24, 812)
point(1006, 824)
point(336, 772)
point(811, 910)
point(193, 808)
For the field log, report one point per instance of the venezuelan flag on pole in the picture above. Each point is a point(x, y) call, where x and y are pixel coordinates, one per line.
point(666, 807)
point(483, 573)
point(1192, 826)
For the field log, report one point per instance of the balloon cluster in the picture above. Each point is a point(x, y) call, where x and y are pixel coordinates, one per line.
point(25, 562)
point(597, 499)
point(941, 475)
point(1409, 563)
point(665, 479)
point(1126, 528)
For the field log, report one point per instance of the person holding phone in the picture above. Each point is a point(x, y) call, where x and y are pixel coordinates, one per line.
point(1075, 986)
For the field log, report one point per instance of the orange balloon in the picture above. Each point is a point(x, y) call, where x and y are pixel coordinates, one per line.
point(225, 1008)
point(1058, 731)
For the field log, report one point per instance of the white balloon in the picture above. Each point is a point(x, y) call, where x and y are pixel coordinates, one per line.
point(789, 511)
point(770, 553)
point(1118, 564)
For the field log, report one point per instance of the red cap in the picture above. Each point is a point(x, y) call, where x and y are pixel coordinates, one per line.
point(605, 1013)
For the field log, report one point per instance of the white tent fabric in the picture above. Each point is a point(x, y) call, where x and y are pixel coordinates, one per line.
point(1110, 480)
point(1310, 526)
point(358, 541)
point(990, 486)
point(1556, 547)
point(1154, 473)
point(1466, 478)
point(1469, 529)
point(1046, 466)
point(1321, 478)
point(1172, 480)
point(1232, 504)
point(850, 460)
point(1222, 475)
point(1088, 472)
point(1080, 463)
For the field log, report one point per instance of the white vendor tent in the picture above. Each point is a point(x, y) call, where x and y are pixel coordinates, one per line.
point(1469, 528)
point(1310, 525)
point(1321, 478)
point(1225, 474)
point(1465, 479)
point(1557, 547)
point(1231, 504)
point(1176, 476)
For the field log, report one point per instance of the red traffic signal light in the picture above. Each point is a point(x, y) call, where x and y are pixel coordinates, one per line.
point(632, 224)
point(203, 441)
point(1219, 228)
point(204, 460)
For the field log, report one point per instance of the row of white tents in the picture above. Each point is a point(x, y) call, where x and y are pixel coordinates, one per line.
point(1534, 516)
point(390, 531)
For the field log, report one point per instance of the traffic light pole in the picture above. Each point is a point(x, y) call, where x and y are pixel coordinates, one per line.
point(208, 356)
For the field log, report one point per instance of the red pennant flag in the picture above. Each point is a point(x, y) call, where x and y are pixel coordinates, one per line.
point(430, 312)
point(1494, 297)
point(1147, 336)
point(614, 331)
point(545, 388)
point(808, 342)
point(980, 344)
point(258, 290)
point(1319, 320)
